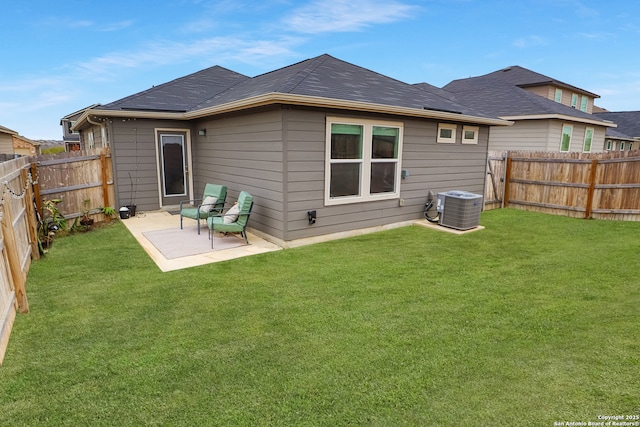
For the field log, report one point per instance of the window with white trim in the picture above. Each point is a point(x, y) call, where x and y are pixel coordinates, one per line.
point(608, 144)
point(470, 134)
point(558, 96)
point(583, 103)
point(446, 133)
point(630, 146)
point(588, 138)
point(621, 145)
point(363, 160)
point(565, 142)
point(574, 100)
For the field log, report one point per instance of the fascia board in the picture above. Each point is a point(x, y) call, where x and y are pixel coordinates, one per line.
point(315, 101)
point(562, 117)
point(283, 98)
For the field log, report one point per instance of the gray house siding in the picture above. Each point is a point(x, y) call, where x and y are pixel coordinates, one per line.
point(134, 159)
point(245, 152)
point(278, 155)
point(431, 166)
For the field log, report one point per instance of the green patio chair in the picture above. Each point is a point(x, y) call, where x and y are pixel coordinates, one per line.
point(206, 206)
point(234, 220)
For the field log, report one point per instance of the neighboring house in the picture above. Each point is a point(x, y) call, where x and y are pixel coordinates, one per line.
point(548, 115)
point(359, 148)
point(70, 137)
point(626, 137)
point(25, 147)
point(6, 140)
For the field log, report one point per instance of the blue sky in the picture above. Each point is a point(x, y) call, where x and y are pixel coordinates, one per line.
point(60, 56)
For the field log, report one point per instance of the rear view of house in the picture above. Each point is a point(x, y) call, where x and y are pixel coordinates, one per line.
point(358, 148)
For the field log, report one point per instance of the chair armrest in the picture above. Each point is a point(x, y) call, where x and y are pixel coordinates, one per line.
point(191, 201)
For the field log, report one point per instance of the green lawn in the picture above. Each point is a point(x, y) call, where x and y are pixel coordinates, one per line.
point(532, 321)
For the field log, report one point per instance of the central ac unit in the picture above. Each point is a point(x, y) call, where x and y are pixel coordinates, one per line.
point(459, 209)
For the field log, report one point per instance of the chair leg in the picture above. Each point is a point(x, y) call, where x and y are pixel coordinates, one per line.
point(212, 236)
point(198, 224)
point(180, 221)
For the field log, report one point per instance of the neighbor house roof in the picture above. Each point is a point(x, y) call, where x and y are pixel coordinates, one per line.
point(502, 94)
point(7, 130)
point(628, 122)
point(323, 81)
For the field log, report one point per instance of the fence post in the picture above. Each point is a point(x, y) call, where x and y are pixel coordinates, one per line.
point(507, 177)
point(592, 186)
point(15, 266)
point(105, 187)
point(32, 223)
point(36, 187)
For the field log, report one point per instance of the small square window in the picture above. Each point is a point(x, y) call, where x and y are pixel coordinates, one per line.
point(470, 134)
point(446, 133)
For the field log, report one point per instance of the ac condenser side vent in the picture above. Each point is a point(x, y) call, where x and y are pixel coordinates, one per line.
point(459, 209)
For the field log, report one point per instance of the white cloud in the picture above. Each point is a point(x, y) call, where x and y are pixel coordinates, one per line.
point(218, 49)
point(529, 41)
point(346, 15)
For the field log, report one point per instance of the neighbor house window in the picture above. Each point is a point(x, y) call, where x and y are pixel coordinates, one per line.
point(446, 133)
point(630, 146)
point(583, 103)
point(608, 144)
point(574, 100)
point(622, 146)
point(565, 144)
point(103, 135)
point(92, 143)
point(470, 134)
point(588, 138)
point(558, 97)
point(363, 160)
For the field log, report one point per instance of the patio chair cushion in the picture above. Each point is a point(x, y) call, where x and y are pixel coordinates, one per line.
point(208, 204)
point(232, 214)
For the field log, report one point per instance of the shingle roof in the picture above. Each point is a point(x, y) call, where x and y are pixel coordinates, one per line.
point(328, 77)
point(501, 94)
point(628, 122)
point(323, 76)
point(181, 94)
point(521, 77)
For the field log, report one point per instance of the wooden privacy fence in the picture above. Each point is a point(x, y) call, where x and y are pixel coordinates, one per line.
point(18, 242)
point(81, 180)
point(583, 185)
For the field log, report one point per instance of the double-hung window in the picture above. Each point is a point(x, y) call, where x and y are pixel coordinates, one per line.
point(558, 95)
point(583, 103)
point(588, 138)
point(362, 160)
point(565, 143)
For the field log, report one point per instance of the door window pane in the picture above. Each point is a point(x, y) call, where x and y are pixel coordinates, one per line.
point(173, 165)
